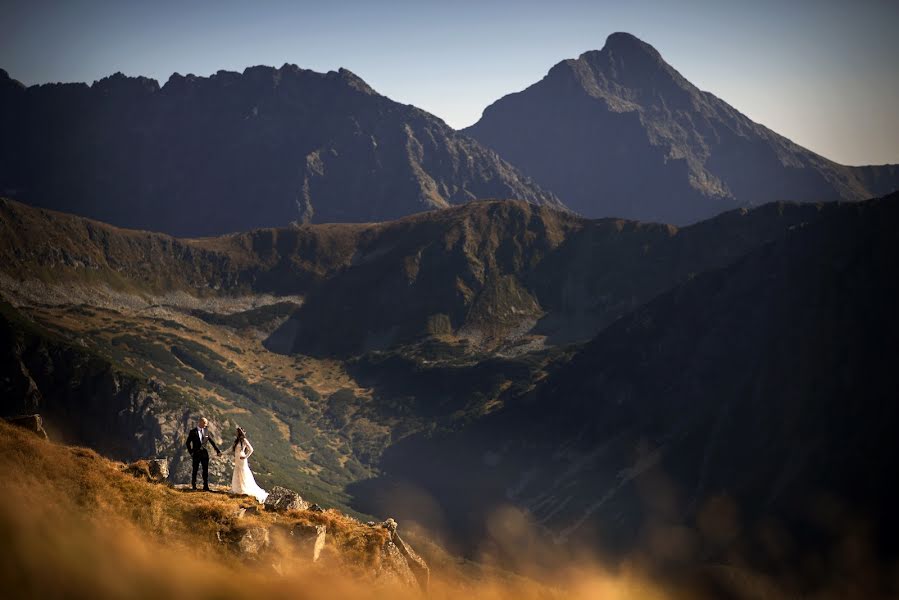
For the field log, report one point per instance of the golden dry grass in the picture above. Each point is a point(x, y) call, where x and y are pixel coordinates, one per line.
point(75, 525)
point(71, 511)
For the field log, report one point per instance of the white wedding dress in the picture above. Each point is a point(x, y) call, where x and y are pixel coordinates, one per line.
point(243, 482)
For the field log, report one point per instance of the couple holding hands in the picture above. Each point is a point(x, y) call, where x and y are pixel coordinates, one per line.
point(242, 480)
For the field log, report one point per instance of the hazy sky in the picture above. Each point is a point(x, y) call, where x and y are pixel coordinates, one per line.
point(823, 73)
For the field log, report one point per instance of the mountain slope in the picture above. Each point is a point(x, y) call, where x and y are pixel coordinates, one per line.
point(721, 357)
point(109, 530)
point(512, 278)
point(619, 132)
point(751, 401)
point(484, 276)
point(230, 152)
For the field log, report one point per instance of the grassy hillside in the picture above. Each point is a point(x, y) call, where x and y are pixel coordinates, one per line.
point(101, 530)
point(104, 531)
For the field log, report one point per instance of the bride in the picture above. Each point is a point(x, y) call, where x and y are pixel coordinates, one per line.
point(242, 482)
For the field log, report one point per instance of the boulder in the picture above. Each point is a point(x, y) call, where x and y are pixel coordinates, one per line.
point(33, 423)
point(309, 539)
point(282, 499)
point(390, 525)
point(158, 468)
point(155, 470)
point(252, 541)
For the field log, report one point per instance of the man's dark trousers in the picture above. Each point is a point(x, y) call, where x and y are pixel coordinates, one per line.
point(200, 457)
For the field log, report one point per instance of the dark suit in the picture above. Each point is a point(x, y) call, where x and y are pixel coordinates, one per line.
point(200, 455)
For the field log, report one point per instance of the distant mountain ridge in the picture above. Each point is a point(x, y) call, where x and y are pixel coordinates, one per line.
point(619, 132)
point(234, 151)
point(482, 276)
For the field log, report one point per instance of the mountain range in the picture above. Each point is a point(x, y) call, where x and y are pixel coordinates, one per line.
point(619, 132)
point(234, 151)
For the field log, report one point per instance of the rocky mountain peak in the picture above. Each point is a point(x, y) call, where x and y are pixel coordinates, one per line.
point(627, 44)
point(629, 67)
point(8, 83)
point(231, 150)
point(620, 132)
point(119, 82)
point(355, 82)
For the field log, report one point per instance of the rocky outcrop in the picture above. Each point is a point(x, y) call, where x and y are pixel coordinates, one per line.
point(394, 569)
point(304, 540)
point(397, 563)
point(308, 540)
point(281, 499)
point(32, 423)
point(401, 562)
point(158, 468)
point(152, 469)
point(252, 541)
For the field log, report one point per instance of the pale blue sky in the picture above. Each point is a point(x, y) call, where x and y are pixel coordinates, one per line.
point(823, 73)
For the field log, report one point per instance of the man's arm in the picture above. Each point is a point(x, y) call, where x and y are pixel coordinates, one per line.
point(212, 441)
point(190, 449)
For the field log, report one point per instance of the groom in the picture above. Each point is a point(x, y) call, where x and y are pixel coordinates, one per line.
point(196, 445)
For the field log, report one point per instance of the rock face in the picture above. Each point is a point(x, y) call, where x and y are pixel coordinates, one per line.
point(88, 401)
point(281, 499)
point(124, 417)
point(306, 540)
point(398, 563)
point(405, 564)
point(33, 423)
point(618, 132)
point(262, 148)
point(394, 569)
